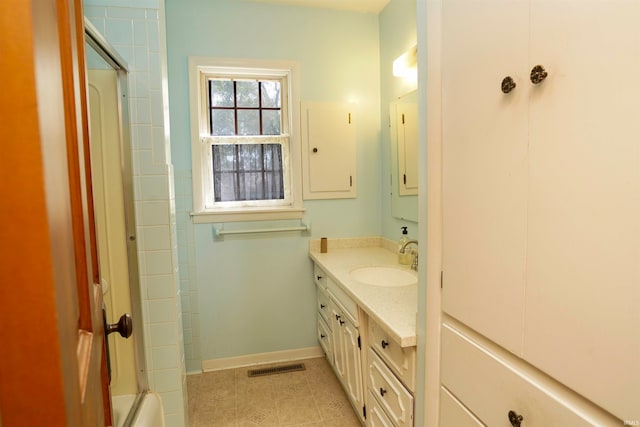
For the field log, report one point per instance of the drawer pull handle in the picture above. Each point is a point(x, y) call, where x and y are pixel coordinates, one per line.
point(319, 277)
point(515, 419)
point(337, 317)
point(341, 322)
point(322, 336)
point(382, 392)
point(322, 306)
point(384, 344)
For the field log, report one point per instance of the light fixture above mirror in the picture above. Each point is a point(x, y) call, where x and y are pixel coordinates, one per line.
point(406, 65)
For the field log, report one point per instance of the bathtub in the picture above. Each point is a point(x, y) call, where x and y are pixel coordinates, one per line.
point(148, 413)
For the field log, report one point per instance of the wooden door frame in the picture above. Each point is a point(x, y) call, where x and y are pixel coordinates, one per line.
point(48, 254)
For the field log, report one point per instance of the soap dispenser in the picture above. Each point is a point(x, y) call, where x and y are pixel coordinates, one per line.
point(405, 258)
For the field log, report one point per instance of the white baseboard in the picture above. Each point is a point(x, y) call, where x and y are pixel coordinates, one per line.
point(261, 358)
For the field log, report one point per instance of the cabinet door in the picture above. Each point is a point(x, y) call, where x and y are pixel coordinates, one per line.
point(582, 316)
point(407, 128)
point(339, 356)
point(346, 355)
point(329, 151)
point(485, 165)
point(353, 364)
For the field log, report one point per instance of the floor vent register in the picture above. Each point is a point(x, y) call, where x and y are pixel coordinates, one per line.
point(276, 370)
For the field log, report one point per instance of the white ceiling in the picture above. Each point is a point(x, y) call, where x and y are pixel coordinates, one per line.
point(370, 6)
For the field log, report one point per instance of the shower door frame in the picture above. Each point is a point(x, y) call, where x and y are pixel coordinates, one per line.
point(111, 56)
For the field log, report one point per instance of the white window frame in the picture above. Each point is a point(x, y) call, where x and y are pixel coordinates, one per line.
point(201, 68)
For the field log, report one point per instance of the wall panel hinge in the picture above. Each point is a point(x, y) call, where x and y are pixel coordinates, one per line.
point(359, 343)
point(350, 180)
point(441, 279)
point(349, 118)
point(364, 411)
point(402, 118)
point(404, 179)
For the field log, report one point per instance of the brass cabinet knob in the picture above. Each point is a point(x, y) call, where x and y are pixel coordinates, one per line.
point(538, 74)
point(515, 419)
point(508, 84)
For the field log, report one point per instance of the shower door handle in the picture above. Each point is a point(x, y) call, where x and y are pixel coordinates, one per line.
point(124, 326)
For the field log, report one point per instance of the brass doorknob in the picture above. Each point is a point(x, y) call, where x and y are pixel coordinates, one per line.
point(538, 74)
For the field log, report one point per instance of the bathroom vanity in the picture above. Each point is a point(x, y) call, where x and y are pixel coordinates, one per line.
point(367, 305)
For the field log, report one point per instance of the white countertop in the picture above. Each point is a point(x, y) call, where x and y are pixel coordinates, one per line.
point(393, 308)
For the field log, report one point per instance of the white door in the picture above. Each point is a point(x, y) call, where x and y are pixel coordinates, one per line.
point(582, 316)
point(485, 165)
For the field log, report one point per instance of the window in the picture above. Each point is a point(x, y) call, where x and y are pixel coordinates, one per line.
point(245, 142)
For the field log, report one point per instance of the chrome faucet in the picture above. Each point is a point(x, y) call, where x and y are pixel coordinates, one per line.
point(414, 263)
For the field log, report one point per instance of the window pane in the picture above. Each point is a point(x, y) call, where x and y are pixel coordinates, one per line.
point(256, 173)
point(222, 123)
point(247, 93)
point(221, 93)
point(271, 122)
point(226, 158)
point(248, 122)
point(270, 94)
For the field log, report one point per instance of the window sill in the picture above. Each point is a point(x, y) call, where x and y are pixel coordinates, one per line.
point(230, 215)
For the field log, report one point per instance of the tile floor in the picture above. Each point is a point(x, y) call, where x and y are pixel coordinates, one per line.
point(310, 398)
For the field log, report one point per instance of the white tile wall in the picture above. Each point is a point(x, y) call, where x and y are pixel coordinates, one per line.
point(187, 270)
point(137, 34)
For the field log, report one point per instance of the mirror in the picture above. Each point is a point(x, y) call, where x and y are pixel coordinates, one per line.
point(403, 139)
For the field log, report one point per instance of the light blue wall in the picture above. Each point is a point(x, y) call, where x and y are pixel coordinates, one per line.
point(397, 35)
point(248, 295)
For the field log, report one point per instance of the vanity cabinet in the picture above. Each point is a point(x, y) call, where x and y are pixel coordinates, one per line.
point(372, 351)
point(339, 337)
point(541, 199)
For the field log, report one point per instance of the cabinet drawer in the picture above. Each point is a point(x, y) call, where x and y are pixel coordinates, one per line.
point(319, 276)
point(322, 302)
point(343, 301)
point(376, 417)
point(453, 413)
point(325, 339)
point(401, 360)
point(389, 391)
point(490, 383)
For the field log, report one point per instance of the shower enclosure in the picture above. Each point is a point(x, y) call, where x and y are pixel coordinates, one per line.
point(111, 168)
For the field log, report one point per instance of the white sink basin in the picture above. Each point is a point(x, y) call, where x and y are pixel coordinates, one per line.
point(384, 276)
